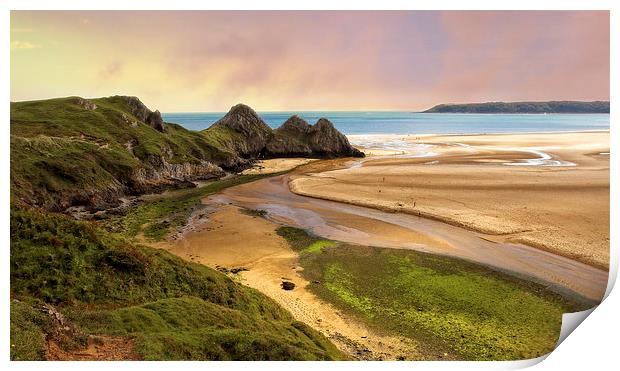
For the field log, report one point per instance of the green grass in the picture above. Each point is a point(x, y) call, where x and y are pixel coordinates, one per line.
point(106, 284)
point(221, 137)
point(48, 136)
point(254, 212)
point(318, 246)
point(160, 214)
point(190, 328)
point(64, 118)
point(450, 305)
point(60, 260)
point(28, 328)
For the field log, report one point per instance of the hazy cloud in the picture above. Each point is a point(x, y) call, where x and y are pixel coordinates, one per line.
point(22, 30)
point(23, 45)
point(210, 60)
point(111, 70)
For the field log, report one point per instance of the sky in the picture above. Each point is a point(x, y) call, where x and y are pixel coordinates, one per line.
point(207, 61)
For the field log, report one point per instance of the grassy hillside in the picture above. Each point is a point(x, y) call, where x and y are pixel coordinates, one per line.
point(104, 284)
point(88, 153)
point(112, 122)
point(523, 107)
point(457, 309)
point(75, 282)
point(59, 146)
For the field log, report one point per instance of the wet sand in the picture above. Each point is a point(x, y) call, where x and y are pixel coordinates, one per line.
point(523, 204)
point(501, 185)
point(372, 227)
point(224, 241)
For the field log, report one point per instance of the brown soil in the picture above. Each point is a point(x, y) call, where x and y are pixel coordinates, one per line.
point(99, 348)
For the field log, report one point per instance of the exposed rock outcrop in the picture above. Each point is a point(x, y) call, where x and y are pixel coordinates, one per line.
point(248, 133)
point(160, 170)
point(86, 104)
point(294, 126)
point(288, 139)
point(60, 171)
point(296, 138)
point(142, 113)
point(157, 175)
point(326, 141)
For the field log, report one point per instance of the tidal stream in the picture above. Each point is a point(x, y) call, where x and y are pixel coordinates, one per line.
point(371, 227)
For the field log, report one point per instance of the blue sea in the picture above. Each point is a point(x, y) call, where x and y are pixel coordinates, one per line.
point(380, 122)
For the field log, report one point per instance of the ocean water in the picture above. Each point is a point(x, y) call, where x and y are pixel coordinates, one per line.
point(356, 123)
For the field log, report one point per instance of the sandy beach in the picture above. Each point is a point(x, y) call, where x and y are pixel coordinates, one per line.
point(484, 183)
point(276, 165)
point(537, 205)
point(223, 242)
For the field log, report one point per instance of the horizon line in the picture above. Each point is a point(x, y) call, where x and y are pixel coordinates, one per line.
point(411, 110)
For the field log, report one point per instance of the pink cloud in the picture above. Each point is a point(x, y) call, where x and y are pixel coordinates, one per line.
point(323, 59)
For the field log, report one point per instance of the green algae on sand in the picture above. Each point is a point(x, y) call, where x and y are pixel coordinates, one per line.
point(458, 309)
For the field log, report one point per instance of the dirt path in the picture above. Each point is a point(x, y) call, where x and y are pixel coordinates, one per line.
point(100, 348)
point(233, 239)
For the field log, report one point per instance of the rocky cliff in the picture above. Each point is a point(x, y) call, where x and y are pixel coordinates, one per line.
point(243, 132)
point(296, 138)
point(89, 153)
point(142, 113)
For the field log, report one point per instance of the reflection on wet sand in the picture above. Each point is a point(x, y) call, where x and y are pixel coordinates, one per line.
point(364, 226)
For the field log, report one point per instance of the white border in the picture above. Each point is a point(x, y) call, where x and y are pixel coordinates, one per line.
point(594, 343)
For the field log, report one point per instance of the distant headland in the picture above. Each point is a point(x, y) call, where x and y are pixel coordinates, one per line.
point(523, 107)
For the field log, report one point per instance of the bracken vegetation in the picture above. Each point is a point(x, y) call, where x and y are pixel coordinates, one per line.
point(63, 154)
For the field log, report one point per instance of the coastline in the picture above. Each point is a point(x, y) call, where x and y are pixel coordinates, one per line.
point(269, 261)
point(426, 135)
point(474, 189)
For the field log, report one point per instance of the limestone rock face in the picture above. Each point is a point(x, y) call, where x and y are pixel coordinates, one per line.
point(154, 119)
point(161, 170)
point(176, 159)
point(249, 133)
point(144, 114)
point(296, 138)
point(295, 126)
point(288, 139)
point(244, 133)
point(86, 104)
point(326, 141)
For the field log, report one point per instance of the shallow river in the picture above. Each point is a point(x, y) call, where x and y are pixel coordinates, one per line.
point(366, 226)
